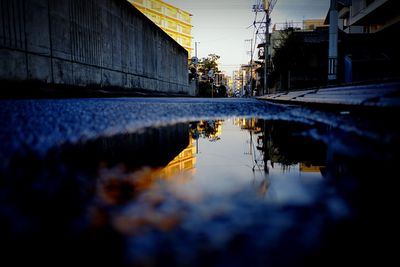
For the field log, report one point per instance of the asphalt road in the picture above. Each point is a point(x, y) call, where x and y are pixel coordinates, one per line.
point(53, 210)
point(38, 125)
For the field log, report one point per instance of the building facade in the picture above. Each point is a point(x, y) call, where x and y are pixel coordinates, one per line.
point(374, 15)
point(368, 48)
point(176, 22)
point(367, 16)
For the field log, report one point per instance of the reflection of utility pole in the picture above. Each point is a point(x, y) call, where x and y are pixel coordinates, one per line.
point(195, 136)
point(266, 149)
point(251, 143)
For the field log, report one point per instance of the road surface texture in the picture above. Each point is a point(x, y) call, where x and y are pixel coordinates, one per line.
point(66, 201)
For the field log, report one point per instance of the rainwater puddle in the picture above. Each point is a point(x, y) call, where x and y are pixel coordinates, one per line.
point(233, 192)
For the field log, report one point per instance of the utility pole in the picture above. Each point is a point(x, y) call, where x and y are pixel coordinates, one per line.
point(195, 48)
point(211, 78)
point(266, 9)
point(333, 42)
point(195, 65)
point(251, 66)
point(243, 90)
point(251, 69)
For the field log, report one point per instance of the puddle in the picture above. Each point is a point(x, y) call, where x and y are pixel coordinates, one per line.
point(232, 192)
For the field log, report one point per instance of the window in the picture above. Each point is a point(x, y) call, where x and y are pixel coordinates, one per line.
point(171, 12)
point(185, 29)
point(156, 6)
point(137, 1)
point(172, 25)
point(186, 41)
point(186, 18)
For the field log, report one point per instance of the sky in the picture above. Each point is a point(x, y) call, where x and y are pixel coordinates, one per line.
point(225, 27)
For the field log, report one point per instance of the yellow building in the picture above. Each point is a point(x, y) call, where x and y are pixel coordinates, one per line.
point(312, 24)
point(176, 22)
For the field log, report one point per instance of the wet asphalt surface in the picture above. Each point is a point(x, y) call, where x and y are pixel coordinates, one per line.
point(55, 173)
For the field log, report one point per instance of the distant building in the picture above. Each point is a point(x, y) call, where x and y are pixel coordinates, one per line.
point(244, 81)
point(220, 79)
point(238, 81)
point(176, 22)
point(229, 84)
point(312, 24)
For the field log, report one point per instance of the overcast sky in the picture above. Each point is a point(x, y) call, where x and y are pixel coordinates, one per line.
point(222, 26)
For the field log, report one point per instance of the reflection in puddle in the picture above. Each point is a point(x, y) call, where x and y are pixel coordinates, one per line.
point(235, 192)
point(214, 188)
point(224, 157)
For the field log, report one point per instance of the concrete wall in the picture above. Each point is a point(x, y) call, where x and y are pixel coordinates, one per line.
point(101, 43)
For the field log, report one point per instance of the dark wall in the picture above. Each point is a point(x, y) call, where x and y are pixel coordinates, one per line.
point(100, 43)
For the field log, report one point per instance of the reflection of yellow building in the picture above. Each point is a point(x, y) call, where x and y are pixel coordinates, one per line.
point(247, 124)
point(310, 168)
point(176, 22)
point(119, 185)
point(184, 162)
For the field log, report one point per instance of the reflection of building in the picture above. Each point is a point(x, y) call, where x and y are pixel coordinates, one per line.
point(119, 186)
point(210, 129)
point(134, 163)
point(176, 22)
point(309, 167)
point(184, 162)
point(248, 124)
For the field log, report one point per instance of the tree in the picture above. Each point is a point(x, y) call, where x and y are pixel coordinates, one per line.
point(299, 63)
point(206, 88)
point(286, 56)
point(209, 63)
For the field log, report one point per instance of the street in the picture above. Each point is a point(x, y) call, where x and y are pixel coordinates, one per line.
point(199, 133)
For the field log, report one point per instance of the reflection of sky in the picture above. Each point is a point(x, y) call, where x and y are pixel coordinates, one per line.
point(290, 184)
point(225, 166)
